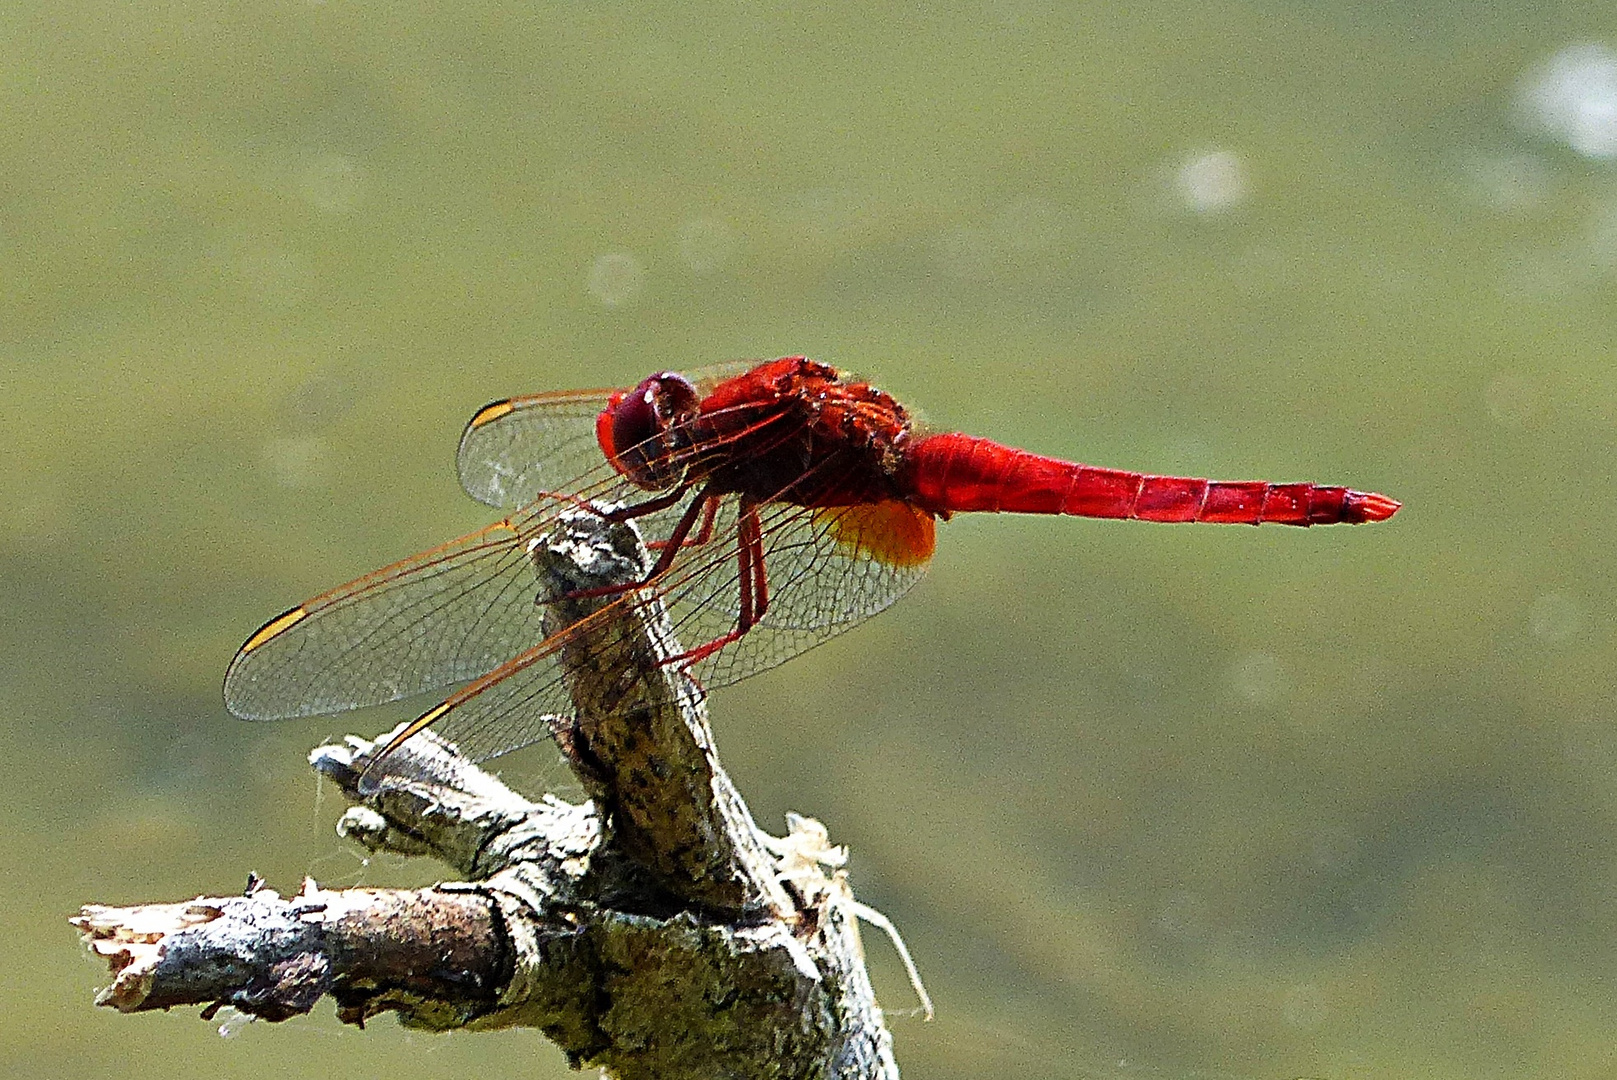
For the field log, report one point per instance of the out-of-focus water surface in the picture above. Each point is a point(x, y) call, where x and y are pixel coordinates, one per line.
point(1147, 801)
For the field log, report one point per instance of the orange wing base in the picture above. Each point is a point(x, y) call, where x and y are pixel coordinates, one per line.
point(892, 532)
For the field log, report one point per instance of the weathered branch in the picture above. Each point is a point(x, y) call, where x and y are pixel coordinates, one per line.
point(653, 931)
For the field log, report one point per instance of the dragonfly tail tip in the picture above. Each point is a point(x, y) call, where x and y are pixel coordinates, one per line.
point(1363, 506)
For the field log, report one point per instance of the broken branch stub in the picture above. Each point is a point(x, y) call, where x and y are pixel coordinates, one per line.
point(640, 741)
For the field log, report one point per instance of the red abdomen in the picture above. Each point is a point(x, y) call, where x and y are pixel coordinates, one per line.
point(956, 473)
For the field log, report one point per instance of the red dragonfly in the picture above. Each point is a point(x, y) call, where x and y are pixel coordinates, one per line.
point(785, 504)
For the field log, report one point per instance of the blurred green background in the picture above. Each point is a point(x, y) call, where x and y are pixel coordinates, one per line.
point(1147, 801)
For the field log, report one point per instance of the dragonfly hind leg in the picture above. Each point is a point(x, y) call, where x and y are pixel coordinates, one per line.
point(752, 582)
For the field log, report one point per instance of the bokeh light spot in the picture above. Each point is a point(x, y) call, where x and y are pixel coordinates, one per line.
point(332, 183)
point(299, 461)
point(1260, 678)
point(1211, 182)
point(1555, 617)
point(1506, 183)
point(616, 278)
point(1303, 1006)
point(1572, 98)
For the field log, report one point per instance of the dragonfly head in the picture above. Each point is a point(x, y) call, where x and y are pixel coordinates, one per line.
point(639, 431)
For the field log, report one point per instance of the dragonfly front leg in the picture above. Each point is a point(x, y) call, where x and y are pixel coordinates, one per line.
point(650, 506)
point(670, 547)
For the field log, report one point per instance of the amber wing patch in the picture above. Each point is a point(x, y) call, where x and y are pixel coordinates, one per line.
point(893, 533)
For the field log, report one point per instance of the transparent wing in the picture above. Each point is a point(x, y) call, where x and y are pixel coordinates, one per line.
point(432, 620)
point(447, 615)
point(826, 570)
point(514, 449)
point(473, 611)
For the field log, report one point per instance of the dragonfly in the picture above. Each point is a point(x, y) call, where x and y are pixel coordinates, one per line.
point(781, 504)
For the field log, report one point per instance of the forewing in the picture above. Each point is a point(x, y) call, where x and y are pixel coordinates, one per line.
point(441, 617)
point(514, 449)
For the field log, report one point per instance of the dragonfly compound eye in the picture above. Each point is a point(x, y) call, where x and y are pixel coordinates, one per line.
point(641, 431)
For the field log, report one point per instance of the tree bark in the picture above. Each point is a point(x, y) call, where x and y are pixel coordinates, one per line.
point(653, 931)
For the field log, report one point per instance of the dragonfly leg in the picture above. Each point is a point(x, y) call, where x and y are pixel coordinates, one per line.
point(670, 549)
point(760, 588)
point(703, 534)
point(650, 506)
point(752, 582)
